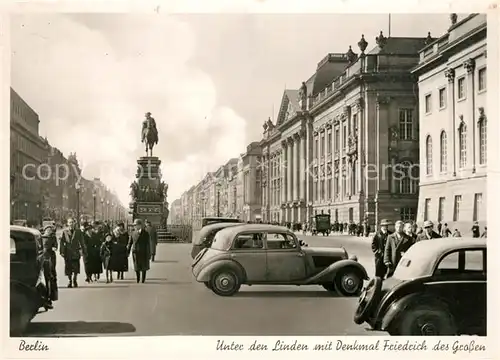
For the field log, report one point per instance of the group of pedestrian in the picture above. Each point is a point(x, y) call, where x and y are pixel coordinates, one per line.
point(388, 248)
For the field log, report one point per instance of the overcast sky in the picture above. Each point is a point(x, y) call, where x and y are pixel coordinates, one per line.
point(210, 81)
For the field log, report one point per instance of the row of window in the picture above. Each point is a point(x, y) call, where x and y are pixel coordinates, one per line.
point(462, 146)
point(461, 91)
point(457, 204)
point(406, 214)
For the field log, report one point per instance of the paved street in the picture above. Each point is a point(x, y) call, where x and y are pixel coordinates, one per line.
point(172, 303)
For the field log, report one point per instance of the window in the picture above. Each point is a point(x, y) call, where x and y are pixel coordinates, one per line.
point(474, 261)
point(322, 189)
point(442, 98)
point(428, 103)
point(407, 213)
point(461, 88)
point(249, 241)
point(316, 147)
point(276, 241)
point(336, 186)
point(449, 262)
point(344, 184)
point(481, 79)
point(428, 155)
point(478, 203)
point(405, 124)
point(443, 166)
point(344, 137)
point(355, 122)
point(463, 261)
point(456, 207)
point(329, 189)
point(337, 140)
point(406, 176)
point(482, 141)
point(462, 141)
point(427, 208)
point(441, 208)
point(322, 146)
point(329, 143)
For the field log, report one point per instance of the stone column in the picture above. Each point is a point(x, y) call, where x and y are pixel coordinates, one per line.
point(450, 75)
point(296, 166)
point(289, 169)
point(470, 65)
point(358, 108)
point(382, 140)
point(303, 170)
point(308, 165)
point(283, 168)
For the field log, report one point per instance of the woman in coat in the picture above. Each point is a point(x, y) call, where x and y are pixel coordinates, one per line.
point(93, 263)
point(139, 246)
point(121, 253)
point(107, 253)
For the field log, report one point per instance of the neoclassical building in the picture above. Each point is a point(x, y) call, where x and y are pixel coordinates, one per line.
point(346, 143)
point(453, 125)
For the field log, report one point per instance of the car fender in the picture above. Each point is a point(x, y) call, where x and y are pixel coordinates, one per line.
point(401, 305)
point(206, 273)
point(31, 294)
point(328, 274)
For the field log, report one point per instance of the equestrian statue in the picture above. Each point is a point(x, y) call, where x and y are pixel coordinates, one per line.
point(149, 134)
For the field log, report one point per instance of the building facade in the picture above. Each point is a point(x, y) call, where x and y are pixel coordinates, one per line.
point(28, 152)
point(453, 125)
point(175, 217)
point(251, 162)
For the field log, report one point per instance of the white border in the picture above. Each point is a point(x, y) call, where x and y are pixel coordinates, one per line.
point(182, 346)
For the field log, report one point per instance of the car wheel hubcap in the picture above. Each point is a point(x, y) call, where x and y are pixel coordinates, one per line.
point(350, 283)
point(224, 282)
point(428, 329)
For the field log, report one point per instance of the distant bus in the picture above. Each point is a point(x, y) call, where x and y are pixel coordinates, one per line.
point(213, 220)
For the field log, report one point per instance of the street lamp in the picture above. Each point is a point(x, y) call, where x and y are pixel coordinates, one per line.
point(94, 199)
point(107, 210)
point(77, 187)
point(26, 210)
point(102, 209)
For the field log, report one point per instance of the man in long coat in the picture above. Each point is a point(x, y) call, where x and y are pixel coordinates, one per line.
point(141, 251)
point(428, 232)
point(378, 246)
point(153, 238)
point(72, 248)
point(397, 244)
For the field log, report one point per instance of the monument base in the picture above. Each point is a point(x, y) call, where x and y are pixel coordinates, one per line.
point(152, 211)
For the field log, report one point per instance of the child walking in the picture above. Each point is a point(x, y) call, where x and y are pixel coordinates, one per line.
point(106, 254)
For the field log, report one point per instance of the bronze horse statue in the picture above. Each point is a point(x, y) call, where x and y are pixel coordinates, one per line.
point(149, 134)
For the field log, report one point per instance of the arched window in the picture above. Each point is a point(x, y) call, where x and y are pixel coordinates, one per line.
point(443, 166)
point(407, 177)
point(428, 154)
point(462, 143)
point(482, 141)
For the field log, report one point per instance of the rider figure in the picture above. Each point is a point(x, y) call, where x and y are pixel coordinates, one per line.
point(149, 122)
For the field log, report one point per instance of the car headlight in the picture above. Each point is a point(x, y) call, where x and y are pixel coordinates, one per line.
point(353, 257)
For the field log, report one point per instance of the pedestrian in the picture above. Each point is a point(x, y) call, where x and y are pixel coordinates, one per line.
point(456, 233)
point(484, 235)
point(397, 245)
point(409, 230)
point(378, 246)
point(445, 231)
point(428, 232)
point(72, 248)
point(475, 230)
point(106, 253)
point(153, 238)
point(121, 242)
point(139, 246)
point(439, 227)
point(366, 229)
point(92, 260)
point(47, 261)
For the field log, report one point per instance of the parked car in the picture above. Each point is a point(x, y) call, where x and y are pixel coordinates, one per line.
point(203, 239)
point(438, 288)
point(269, 254)
point(25, 290)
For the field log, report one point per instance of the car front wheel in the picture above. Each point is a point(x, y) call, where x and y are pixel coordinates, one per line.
point(225, 283)
point(425, 320)
point(207, 284)
point(349, 282)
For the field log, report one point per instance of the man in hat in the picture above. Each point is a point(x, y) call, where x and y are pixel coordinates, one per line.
point(475, 230)
point(153, 238)
point(428, 232)
point(397, 244)
point(72, 248)
point(378, 246)
point(141, 252)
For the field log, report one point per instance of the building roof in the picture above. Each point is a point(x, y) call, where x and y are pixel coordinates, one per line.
point(400, 46)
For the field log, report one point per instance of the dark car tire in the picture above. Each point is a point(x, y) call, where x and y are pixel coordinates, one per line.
point(225, 282)
point(22, 310)
point(349, 282)
point(329, 286)
point(431, 319)
point(365, 306)
point(207, 284)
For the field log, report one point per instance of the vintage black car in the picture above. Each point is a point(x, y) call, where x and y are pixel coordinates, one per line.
point(254, 254)
point(438, 288)
point(203, 239)
point(25, 290)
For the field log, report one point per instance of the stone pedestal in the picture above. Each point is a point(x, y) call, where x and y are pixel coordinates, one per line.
point(150, 199)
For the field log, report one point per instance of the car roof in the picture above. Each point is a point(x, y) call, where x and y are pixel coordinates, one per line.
point(255, 227)
point(25, 229)
point(206, 229)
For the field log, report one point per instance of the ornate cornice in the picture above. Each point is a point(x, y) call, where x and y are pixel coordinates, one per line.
point(469, 65)
point(450, 75)
point(383, 100)
point(296, 136)
point(289, 139)
point(346, 111)
point(358, 104)
point(283, 143)
point(302, 133)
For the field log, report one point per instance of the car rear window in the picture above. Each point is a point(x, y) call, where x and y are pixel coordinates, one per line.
point(221, 241)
